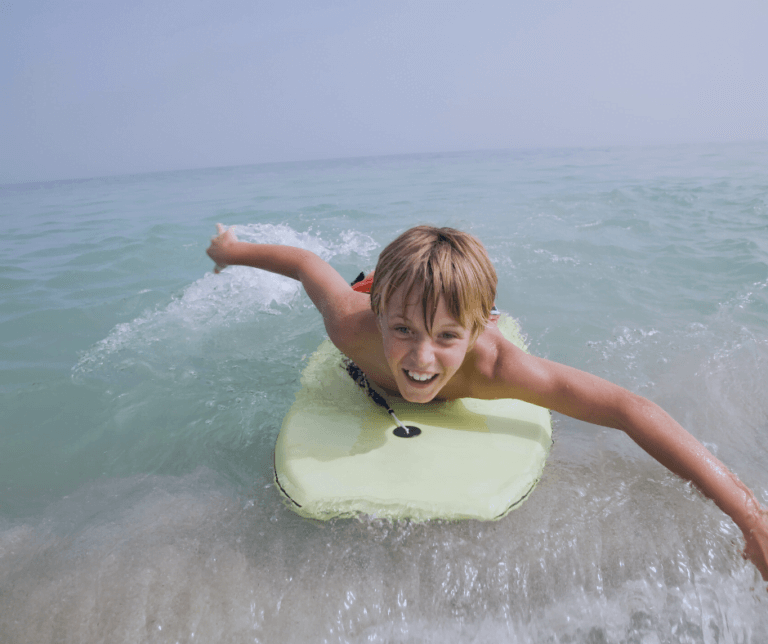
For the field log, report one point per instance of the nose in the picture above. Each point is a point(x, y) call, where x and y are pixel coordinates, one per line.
point(424, 352)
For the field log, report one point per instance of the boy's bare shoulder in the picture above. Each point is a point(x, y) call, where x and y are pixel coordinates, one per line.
point(356, 334)
point(352, 325)
point(494, 365)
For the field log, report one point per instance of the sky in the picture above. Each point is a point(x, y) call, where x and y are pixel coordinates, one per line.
point(94, 87)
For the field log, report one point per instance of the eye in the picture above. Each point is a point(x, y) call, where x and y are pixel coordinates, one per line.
point(451, 336)
point(401, 329)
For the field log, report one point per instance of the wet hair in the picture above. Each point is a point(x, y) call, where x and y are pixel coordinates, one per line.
point(437, 262)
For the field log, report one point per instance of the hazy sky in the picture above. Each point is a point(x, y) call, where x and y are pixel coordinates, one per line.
point(96, 87)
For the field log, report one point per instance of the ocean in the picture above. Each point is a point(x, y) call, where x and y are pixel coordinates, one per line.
point(141, 397)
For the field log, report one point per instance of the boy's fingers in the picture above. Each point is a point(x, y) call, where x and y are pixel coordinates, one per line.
point(220, 230)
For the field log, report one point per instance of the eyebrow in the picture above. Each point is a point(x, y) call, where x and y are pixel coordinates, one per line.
point(454, 324)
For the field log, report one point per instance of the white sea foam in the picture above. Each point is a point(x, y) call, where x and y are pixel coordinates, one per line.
point(124, 560)
point(214, 302)
point(552, 257)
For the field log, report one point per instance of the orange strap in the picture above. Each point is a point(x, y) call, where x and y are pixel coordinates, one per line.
point(364, 285)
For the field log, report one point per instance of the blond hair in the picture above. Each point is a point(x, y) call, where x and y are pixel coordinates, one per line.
point(438, 262)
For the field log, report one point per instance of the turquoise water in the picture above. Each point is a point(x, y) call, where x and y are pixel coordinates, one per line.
point(142, 395)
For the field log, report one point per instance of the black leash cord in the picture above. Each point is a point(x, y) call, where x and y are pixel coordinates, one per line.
point(356, 373)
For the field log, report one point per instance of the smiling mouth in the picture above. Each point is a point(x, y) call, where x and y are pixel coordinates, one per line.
point(419, 378)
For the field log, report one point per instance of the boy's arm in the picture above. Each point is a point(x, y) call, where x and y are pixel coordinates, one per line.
point(592, 399)
point(327, 289)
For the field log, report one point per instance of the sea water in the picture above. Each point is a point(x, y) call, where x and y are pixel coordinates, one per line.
point(141, 396)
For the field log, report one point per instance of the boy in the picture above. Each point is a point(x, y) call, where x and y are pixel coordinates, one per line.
point(425, 332)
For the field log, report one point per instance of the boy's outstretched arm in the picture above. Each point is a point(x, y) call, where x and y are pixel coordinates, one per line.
point(327, 289)
point(592, 399)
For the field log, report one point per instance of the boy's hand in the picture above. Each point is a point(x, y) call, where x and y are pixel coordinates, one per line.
point(220, 246)
point(756, 549)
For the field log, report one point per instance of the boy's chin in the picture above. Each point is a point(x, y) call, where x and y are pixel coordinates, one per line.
point(419, 399)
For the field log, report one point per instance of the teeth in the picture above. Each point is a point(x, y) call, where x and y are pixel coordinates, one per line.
point(419, 377)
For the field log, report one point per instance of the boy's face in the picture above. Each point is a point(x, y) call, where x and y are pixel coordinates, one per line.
point(421, 361)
